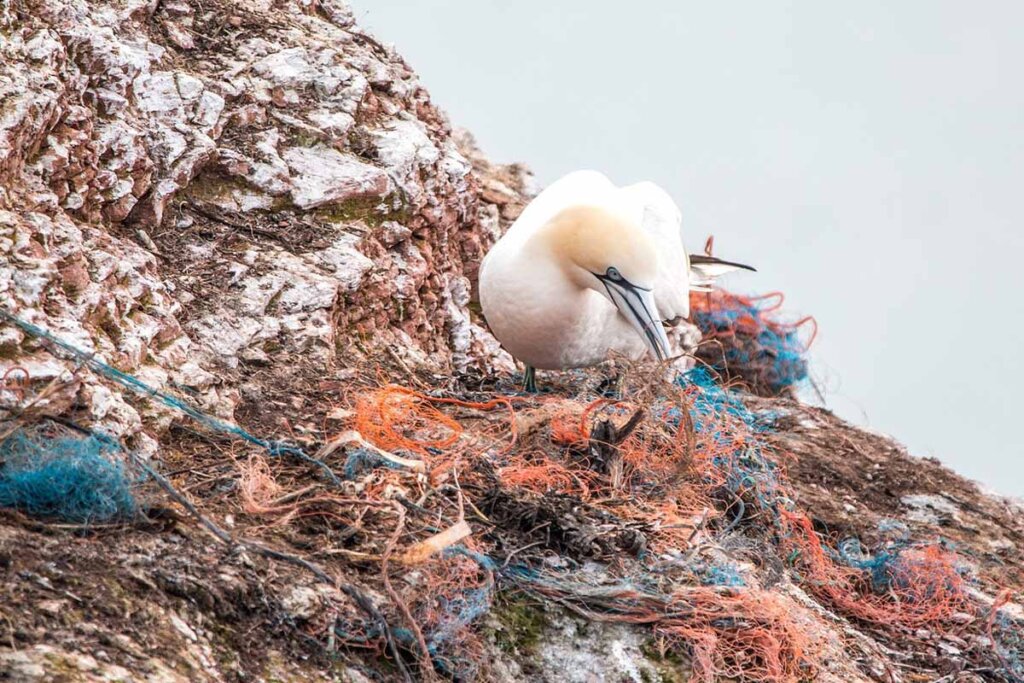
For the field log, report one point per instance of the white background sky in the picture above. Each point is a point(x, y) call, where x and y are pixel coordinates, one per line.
point(867, 157)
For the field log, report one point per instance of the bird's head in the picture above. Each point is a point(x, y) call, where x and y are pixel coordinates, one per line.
point(603, 250)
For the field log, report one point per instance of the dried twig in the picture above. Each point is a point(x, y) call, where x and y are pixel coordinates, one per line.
point(426, 660)
point(353, 436)
point(10, 632)
point(22, 413)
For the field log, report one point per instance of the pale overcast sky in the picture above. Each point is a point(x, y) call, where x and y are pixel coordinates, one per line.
point(867, 157)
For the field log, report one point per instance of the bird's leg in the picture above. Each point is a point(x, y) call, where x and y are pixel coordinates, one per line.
point(530, 380)
point(610, 387)
point(614, 383)
point(620, 386)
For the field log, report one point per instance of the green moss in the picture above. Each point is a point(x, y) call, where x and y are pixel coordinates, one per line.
point(217, 189)
point(271, 306)
point(71, 290)
point(61, 669)
point(672, 666)
point(224, 640)
point(280, 203)
point(373, 211)
point(9, 351)
point(239, 246)
point(382, 665)
point(523, 622)
point(109, 327)
point(147, 302)
point(302, 138)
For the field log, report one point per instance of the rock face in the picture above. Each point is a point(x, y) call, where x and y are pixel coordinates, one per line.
point(192, 190)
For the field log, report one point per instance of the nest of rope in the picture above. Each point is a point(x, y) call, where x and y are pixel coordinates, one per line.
point(667, 510)
point(747, 341)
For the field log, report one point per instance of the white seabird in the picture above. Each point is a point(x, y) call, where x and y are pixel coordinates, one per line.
point(589, 270)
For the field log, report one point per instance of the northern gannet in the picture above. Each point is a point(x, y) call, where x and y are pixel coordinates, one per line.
point(589, 270)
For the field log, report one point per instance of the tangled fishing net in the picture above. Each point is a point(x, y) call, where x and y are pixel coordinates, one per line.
point(744, 338)
point(654, 511)
point(733, 633)
point(689, 465)
point(48, 473)
point(905, 587)
point(1007, 635)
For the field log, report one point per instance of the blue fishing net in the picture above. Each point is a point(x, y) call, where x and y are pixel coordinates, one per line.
point(743, 340)
point(1008, 634)
point(361, 460)
point(720, 574)
point(67, 478)
point(720, 413)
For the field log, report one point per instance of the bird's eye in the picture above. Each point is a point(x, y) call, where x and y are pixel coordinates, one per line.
point(613, 274)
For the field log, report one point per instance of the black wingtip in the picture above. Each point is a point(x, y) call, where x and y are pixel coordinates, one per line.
point(700, 259)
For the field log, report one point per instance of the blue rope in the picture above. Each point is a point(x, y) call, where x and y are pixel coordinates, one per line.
point(776, 348)
point(273, 448)
point(1009, 644)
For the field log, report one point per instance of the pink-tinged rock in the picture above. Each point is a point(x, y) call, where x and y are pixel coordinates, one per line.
point(208, 111)
point(102, 123)
point(74, 277)
point(179, 36)
point(391, 233)
point(334, 123)
point(323, 176)
point(288, 68)
point(105, 180)
point(248, 115)
point(157, 93)
point(346, 264)
point(404, 147)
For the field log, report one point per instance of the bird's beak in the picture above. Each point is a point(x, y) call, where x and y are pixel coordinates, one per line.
point(637, 306)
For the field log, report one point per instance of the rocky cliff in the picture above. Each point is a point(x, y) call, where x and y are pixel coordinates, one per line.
point(197, 192)
point(254, 213)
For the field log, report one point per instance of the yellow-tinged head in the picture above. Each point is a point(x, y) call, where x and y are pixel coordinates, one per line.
point(600, 243)
point(602, 250)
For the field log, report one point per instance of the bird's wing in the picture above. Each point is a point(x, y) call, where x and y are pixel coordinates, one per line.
point(578, 187)
point(663, 221)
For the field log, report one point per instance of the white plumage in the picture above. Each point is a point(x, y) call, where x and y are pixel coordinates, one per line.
point(588, 270)
point(663, 221)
